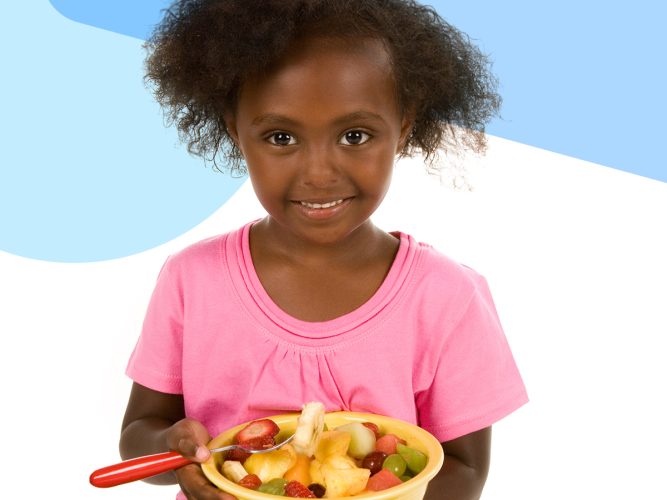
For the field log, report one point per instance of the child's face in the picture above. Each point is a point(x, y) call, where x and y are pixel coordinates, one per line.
point(319, 134)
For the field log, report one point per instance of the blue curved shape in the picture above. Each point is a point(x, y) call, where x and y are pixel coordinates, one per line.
point(90, 173)
point(134, 18)
point(585, 79)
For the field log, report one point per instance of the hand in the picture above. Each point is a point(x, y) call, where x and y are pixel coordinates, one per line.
point(196, 486)
point(189, 438)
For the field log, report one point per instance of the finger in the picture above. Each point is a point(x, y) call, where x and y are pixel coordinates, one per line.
point(193, 451)
point(196, 430)
point(189, 437)
point(196, 486)
point(202, 454)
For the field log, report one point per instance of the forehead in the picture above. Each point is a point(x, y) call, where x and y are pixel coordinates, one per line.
point(322, 73)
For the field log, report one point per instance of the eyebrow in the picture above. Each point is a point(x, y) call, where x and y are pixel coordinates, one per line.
point(275, 118)
point(272, 118)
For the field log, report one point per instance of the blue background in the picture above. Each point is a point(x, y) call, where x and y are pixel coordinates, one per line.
point(89, 172)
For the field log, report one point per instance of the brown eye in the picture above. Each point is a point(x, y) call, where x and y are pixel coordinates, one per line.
point(354, 138)
point(281, 139)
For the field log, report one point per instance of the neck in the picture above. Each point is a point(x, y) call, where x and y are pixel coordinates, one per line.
point(268, 238)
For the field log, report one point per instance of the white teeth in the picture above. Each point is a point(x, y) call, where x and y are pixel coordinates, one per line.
point(321, 205)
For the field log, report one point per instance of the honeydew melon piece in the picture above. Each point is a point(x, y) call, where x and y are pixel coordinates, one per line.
point(362, 440)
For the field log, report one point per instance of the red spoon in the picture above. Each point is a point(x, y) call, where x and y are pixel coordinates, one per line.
point(152, 465)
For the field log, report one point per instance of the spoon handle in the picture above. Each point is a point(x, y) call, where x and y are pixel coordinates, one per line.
point(137, 468)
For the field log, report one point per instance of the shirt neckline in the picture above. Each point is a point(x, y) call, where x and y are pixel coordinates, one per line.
point(291, 328)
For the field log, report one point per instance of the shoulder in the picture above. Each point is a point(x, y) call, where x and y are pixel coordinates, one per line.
point(202, 255)
point(434, 268)
point(441, 290)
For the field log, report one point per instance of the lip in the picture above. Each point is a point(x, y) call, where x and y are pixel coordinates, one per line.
point(322, 213)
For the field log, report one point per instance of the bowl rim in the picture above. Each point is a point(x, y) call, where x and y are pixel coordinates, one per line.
point(435, 456)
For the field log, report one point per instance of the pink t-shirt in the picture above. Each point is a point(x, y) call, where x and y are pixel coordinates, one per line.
point(427, 347)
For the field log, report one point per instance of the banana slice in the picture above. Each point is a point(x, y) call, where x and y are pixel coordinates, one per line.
point(309, 427)
point(233, 470)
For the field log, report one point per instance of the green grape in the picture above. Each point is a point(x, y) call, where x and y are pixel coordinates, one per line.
point(395, 464)
point(415, 459)
point(274, 487)
point(405, 477)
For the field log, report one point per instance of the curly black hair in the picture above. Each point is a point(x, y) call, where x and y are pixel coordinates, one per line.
point(202, 51)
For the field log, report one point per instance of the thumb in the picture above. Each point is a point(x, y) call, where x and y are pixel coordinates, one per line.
point(198, 453)
point(202, 454)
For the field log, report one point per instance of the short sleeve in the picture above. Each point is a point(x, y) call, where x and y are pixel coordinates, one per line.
point(476, 381)
point(157, 357)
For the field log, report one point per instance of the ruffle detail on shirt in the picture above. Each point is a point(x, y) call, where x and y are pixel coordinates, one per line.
point(314, 381)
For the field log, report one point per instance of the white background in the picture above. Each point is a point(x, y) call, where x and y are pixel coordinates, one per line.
point(575, 254)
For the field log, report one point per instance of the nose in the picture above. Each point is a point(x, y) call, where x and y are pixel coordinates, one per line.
point(319, 167)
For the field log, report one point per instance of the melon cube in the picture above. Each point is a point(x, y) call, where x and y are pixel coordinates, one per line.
point(362, 439)
point(387, 443)
point(300, 471)
point(382, 480)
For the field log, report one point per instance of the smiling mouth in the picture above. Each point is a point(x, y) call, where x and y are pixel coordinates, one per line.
point(321, 205)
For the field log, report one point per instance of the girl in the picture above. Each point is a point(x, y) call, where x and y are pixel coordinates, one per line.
point(316, 99)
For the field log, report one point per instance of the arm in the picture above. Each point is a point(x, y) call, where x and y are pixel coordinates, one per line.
point(466, 466)
point(155, 422)
point(148, 416)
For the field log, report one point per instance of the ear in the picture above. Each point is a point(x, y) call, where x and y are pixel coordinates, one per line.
point(230, 123)
point(407, 124)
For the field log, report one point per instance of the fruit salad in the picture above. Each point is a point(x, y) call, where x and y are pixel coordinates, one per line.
point(348, 460)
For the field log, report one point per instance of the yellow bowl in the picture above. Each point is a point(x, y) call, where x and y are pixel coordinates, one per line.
point(416, 437)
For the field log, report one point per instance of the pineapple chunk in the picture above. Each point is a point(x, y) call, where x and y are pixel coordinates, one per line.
point(342, 477)
point(341, 462)
point(270, 465)
point(316, 472)
point(292, 454)
point(332, 443)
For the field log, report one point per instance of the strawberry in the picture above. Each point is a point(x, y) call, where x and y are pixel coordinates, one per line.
point(237, 455)
point(257, 429)
point(251, 481)
point(295, 489)
point(258, 443)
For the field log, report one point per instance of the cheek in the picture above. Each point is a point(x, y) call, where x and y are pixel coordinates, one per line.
point(263, 186)
point(377, 174)
point(269, 185)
